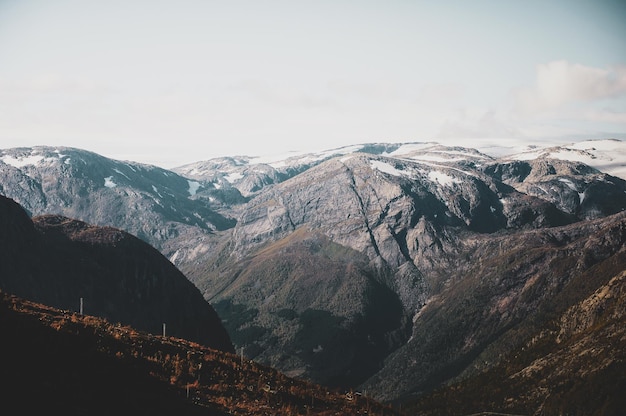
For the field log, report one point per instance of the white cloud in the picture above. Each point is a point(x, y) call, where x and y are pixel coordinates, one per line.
point(441, 92)
point(281, 95)
point(559, 83)
point(605, 116)
point(477, 123)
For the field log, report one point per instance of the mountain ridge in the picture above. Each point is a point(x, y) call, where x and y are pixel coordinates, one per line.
point(363, 239)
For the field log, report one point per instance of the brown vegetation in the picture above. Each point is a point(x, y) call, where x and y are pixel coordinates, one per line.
point(56, 360)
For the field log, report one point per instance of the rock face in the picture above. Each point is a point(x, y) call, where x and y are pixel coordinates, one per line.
point(569, 356)
point(393, 267)
point(57, 261)
point(508, 291)
point(408, 229)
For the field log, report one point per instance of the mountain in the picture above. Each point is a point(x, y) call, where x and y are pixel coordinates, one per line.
point(396, 267)
point(506, 293)
point(332, 267)
point(575, 365)
point(154, 204)
point(60, 362)
point(62, 262)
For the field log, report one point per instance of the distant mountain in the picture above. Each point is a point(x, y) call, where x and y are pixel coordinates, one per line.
point(154, 204)
point(375, 265)
point(60, 362)
point(58, 261)
point(331, 268)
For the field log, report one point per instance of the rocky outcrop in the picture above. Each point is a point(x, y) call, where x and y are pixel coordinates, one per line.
point(510, 290)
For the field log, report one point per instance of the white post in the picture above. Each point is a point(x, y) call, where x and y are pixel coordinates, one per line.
point(163, 329)
point(81, 306)
point(242, 356)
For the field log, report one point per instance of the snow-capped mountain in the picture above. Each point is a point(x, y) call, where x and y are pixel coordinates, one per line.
point(341, 266)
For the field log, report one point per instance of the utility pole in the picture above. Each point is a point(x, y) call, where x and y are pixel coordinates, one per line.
point(81, 306)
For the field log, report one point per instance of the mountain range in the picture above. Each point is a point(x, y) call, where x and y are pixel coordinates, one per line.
point(398, 268)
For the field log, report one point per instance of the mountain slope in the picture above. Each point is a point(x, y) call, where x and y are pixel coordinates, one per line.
point(379, 237)
point(575, 365)
point(59, 261)
point(157, 205)
point(511, 290)
point(63, 363)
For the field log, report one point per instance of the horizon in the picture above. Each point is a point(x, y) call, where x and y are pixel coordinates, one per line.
point(191, 81)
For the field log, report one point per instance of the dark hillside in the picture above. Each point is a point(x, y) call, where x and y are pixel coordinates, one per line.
point(57, 261)
point(56, 362)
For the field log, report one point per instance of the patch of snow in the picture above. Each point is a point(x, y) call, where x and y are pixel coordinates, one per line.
point(434, 158)
point(386, 168)
point(442, 178)
point(569, 184)
point(67, 161)
point(193, 187)
point(20, 162)
point(317, 349)
point(235, 176)
point(573, 156)
point(174, 256)
point(581, 197)
point(345, 159)
point(108, 182)
point(121, 173)
point(217, 185)
point(527, 155)
point(407, 148)
point(156, 191)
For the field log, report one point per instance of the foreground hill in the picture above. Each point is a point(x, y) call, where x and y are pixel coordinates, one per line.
point(59, 261)
point(63, 363)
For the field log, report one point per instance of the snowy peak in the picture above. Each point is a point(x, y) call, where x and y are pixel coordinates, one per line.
point(608, 156)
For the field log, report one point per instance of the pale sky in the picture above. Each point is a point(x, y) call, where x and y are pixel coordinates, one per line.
point(173, 82)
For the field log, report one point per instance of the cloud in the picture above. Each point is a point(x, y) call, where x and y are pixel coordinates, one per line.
point(374, 90)
point(441, 92)
point(560, 83)
point(605, 116)
point(281, 95)
point(477, 123)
